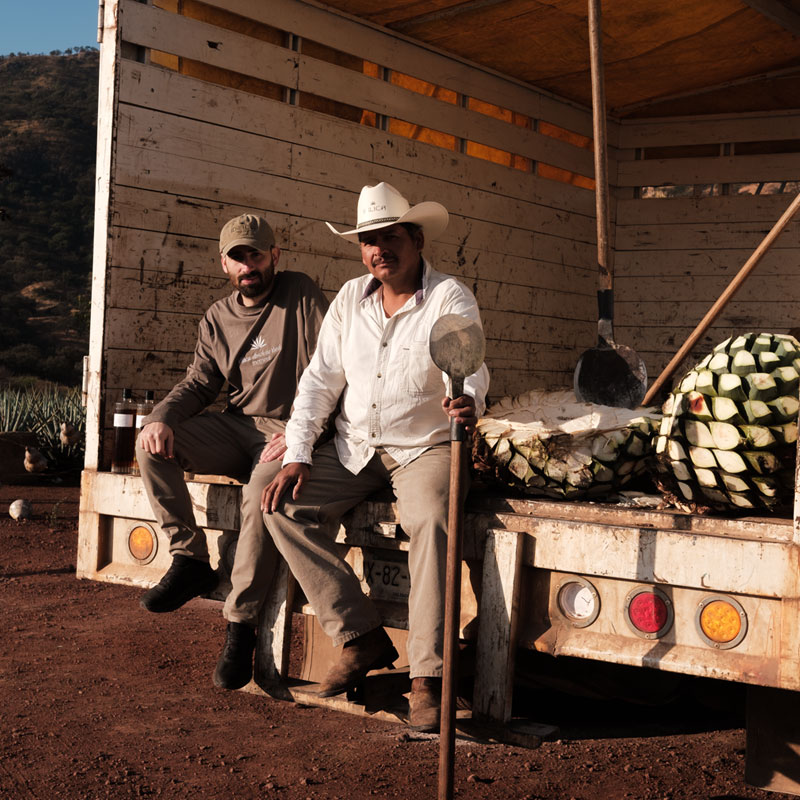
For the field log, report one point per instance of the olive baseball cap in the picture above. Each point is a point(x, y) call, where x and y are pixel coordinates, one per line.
point(249, 230)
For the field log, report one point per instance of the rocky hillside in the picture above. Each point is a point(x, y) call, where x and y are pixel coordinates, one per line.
point(48, 106)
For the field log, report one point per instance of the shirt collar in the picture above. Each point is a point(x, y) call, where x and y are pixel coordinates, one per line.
point(374, 284)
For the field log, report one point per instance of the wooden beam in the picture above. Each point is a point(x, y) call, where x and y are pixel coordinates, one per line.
point(754, 127)
point(313, 20)
point(779, 12)
point(159, 90)
point(445, 13)
point(623, 111)
point(721, 169)
point(151, 27)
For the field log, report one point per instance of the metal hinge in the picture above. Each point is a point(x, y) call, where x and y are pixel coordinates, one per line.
point(101, 13)
point(386, 529)
point(85, 382)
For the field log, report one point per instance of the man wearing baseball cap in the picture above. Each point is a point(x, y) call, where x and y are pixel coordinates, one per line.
point(392, 430)
point(256, 342)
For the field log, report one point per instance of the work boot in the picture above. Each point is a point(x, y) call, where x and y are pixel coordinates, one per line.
point(372, 650)
point(425, 704)
point(185, 579)
point(235, 665)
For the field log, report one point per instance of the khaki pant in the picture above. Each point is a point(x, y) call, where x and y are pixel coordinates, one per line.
point(220, 444)
point(304, 532)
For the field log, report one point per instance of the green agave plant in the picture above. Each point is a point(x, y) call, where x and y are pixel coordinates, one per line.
point(41, 410)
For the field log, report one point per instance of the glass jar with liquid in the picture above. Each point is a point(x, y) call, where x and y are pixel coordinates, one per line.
point(143, 408)
point(122, 454)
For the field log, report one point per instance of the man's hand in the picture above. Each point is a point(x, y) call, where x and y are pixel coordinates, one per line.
point(274, 449)
point(462, 409)
point(294, 474)
point(158, 439)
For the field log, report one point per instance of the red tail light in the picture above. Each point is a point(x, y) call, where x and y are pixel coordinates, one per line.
point(649, 612)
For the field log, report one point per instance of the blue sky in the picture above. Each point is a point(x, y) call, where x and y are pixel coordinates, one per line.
point(39, 26)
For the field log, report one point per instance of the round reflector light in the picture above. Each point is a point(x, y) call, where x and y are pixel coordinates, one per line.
point(578, 601)
point(649, 612)
point(721, 621)
point(142, 543)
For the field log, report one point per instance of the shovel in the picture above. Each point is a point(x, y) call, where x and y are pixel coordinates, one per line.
point(457, 348)
point(609, 374)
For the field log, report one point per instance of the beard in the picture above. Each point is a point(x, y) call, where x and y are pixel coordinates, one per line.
point(253, 289)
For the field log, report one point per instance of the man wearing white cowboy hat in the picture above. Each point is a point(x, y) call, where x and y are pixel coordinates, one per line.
point(392, 429)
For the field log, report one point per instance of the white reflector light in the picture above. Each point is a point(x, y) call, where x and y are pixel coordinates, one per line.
point(578, 601)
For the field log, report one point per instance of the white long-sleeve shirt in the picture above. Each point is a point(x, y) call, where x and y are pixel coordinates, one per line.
point(391, 391)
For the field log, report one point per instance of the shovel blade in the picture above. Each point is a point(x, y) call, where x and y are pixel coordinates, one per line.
point(611, 376)
point(457, 345)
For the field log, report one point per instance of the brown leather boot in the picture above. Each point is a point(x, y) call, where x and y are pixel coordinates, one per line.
point(371, 650)
point(425, 704)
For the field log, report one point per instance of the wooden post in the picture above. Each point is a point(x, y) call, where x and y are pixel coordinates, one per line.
point(773, 739)
point(497, 625)
point(275, 629)
point(106, 145)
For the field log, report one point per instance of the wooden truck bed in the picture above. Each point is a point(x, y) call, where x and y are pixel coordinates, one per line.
point(518, 554)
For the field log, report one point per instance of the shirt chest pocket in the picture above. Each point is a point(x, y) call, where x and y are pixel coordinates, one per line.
point(422, 375)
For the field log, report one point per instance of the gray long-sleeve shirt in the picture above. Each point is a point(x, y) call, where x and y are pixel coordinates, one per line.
point(260, 351)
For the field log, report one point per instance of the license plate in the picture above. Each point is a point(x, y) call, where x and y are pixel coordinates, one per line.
point(387, 576)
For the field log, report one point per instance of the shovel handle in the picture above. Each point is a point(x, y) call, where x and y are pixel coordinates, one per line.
point(452, 616)
point(604, 257)
point(452, 603)
point(715, 310)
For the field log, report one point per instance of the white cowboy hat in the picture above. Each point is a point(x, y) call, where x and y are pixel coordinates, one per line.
point(382, 205)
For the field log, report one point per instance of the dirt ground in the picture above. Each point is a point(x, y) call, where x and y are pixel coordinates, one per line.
point(102, 700)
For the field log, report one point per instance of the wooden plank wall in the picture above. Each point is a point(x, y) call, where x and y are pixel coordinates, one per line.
point(675, 256)
point(190, 154)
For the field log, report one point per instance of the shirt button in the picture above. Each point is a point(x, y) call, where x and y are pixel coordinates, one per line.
point(384, 344)
point(374, 435)
point(379, 374)
point(374, 405)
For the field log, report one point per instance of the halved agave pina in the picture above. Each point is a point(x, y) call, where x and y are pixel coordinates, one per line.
point(548, 443)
